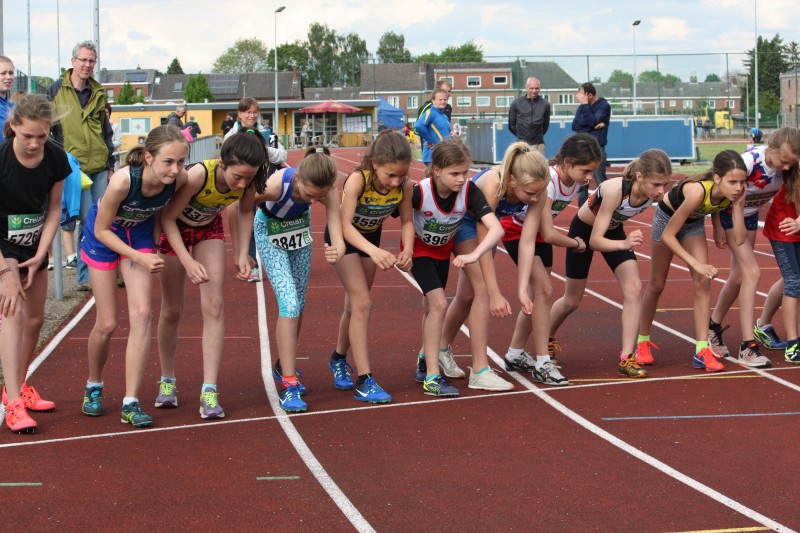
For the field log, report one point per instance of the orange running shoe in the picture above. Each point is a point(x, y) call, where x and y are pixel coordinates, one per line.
point(643, 354)
point(17, 418)
point(34, 402)
point(707, 360)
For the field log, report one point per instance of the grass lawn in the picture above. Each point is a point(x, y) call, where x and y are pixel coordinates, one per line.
point(709, 151)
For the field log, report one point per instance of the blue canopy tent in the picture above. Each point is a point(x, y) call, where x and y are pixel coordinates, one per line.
point(389, 116)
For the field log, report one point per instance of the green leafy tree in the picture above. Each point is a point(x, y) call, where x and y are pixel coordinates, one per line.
point(175, 67)
point(291, 55)
point(712, 77)
point(125, 96)
point(468, 52)
point(430, 57)
point(625, 79)
point(651, 76)
point(246, 55)
point(197, 89)
point(772, 62)
point(352, 51)
point(392, 48)
point(321, 55)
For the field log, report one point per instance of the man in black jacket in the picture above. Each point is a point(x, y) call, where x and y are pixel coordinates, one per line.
point(529, 116)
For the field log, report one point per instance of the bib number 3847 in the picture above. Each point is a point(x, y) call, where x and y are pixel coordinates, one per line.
point(24, 230)
point(290, 234)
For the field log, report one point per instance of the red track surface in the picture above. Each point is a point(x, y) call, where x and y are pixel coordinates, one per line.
point(537, 459)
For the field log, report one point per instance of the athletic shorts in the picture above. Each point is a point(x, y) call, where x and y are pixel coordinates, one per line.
point(21, 254)
point(543, 251)
point(98, 256)
point(373, 237)
point(578, 264)
point(430, 274)
point(191, 235)
point(726, 218)
point(690, 228)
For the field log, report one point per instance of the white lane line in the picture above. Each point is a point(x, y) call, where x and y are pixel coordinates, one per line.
point(628, 448)
point(55, 341)
point(315, 467)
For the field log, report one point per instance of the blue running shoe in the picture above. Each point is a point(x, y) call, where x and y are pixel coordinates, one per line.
point(371, 392)
point(277, 373)
point(93, 401)
point(132, 414)
point(290, 399)
point(768, 338)
point(422, 370)
point(341, 373)
point(439, 386)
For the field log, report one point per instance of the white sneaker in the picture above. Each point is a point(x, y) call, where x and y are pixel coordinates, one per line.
point(488, 380)
point(549, 375)
point(448, 364)
point(520, 363)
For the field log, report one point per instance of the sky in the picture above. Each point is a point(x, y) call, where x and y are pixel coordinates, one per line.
point(150, 33)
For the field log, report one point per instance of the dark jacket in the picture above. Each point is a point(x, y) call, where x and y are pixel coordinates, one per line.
point(588, 116)
point(174, 120)
point(529, 119)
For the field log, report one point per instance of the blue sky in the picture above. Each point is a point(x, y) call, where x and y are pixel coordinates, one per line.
point(150, 33)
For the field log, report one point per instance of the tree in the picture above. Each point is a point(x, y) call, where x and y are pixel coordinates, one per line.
point(651, 76)
point(291, 55)
point(392, 48)
point(771, 63)
point(197, 89)
point(352, 51)
point(468, 52)
point(625, 79)
point(175, 67)
point(125, 96)
point(246, 55)
point(712, 77)
point(322, 55)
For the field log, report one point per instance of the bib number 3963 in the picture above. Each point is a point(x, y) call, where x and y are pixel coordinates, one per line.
point(24, 230)
point(290, 234)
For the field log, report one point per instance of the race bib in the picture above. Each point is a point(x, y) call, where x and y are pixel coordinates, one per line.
point(290, 234)
point(438, 233)
point(368, 218)
point(24, 230)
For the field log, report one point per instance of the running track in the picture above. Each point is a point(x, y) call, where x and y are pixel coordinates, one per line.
point(680, 451)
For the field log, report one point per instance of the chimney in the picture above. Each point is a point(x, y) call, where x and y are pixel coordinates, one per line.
point(422, 67)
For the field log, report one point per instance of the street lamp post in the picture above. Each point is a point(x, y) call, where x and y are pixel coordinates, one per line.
point(635, 23)
point(275, 118)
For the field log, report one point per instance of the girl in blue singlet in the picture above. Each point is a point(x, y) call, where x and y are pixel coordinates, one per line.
point(283, 236)
point(375, 189)
point(519, 182)
point(119, 232)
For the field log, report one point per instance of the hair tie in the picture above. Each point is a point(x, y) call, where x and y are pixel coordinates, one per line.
point(320, 151)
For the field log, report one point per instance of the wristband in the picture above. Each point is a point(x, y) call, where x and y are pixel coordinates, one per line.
point(4, 271)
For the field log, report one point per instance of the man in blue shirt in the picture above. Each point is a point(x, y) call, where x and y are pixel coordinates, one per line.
point(755, 135)
point(7, 74)
point(593, 117)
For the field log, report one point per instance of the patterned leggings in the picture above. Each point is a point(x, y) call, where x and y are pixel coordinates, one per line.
point(286, 270)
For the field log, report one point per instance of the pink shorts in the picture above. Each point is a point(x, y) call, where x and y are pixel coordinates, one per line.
point(109, 265)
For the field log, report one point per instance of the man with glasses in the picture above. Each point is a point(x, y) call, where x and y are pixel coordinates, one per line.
point(84, 130)
point(529, 116)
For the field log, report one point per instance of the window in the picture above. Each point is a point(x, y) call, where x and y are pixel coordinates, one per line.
point(464, 101)
point(503, 101)
point(473, 81)
point(394, 100)
point(483, 101)
point(566, 98)
point(412, 102)
point(672, 103)
point(178, 87)
point(139, 92)
point(731, 104)
point(500, 80)
point(545, 96)
point(449, 80)
point(135, 126)
point(688, 104)
point(110, 93)
point(712, 104)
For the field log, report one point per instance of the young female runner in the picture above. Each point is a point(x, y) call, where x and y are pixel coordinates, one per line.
point(679, 229)
point(119, 232)
point(192, 244)
point(600, 222)
point(283, 235)
point(519, 181)
point(32, 173)
point(377, 187)
point(440, 202)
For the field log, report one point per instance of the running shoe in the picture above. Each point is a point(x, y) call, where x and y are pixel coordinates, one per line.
point(93, 401)
point(371, 392)
point(519, 363)
point(341, 373)
point(439, 386)
point(277, 373)
point(548, 374)
point(17, 418)
point(716, 343)
point(209, 405)
point(792, 353)
point(72, 264)
point(255, 275)
point(290, 399)
point(643, 354)
point(132, 414)
point(630, 368)
point(448, 364)
point(751, 356)
point(707, 360)
point(422, 370)
point(768, 338)
point(552, 349)
point(31, 399)
point(167, 395)
point(488, 380)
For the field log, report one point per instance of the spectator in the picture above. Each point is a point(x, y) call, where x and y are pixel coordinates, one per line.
point(86, 134)
point(305, 133)
point(227, 124)
point(433, 126)
point(593, 116)
point(7, 73)
point(529, 116)
point(176, 117)
point(706, 128)
point(194, 127)
point(456, 130)
point(448, 109)
point(755, 134)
